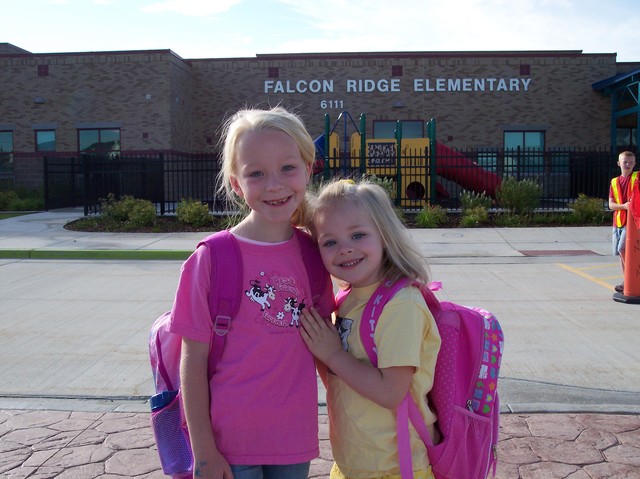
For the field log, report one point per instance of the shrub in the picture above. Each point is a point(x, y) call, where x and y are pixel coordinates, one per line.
point(114, 210)
point(142, 214)
point(519, 197)
point(470, 200)
point(588, 210)
point(129, 211)
point(387, 183)
point(21, 199)
point(431, 217)
point(6, 198)
point(509, 220)
point(194, 213)
point(476, 216)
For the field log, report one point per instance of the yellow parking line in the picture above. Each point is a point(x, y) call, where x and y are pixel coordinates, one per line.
point(602, 266)
point(579, 272)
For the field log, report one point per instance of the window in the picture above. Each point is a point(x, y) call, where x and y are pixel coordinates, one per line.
point(523, 152)
point(101, 141)
point(6, 152)
point(626, 138)
point(43, 70)
point(45, 140)
point(410, 129)
point(488, 159)
point(396, 70)
point(273, 72)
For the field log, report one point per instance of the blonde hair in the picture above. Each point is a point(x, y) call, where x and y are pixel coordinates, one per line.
point(255, 120)
point(626, 154)
point(401, 256)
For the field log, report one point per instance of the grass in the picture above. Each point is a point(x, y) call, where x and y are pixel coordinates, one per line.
point(5, 215)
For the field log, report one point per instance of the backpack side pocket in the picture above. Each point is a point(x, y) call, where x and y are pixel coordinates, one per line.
point(468, 456)
point(172, 438)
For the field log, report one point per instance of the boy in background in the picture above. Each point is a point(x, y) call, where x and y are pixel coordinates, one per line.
point(619, 196)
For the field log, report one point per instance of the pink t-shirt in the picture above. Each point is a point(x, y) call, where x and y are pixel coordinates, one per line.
point(264, 403)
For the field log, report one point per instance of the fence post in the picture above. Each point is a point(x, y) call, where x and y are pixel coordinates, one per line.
point(45, 165)
point(162, 196)
point(363, 144)
point(87, 183)
point(398, 163)
point(327, 132)
point(431, 132)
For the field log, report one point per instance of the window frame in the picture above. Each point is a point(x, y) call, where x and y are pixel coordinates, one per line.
point(533, 155)
point(6, 157)
point(412, 131)
point(100, 150)
point(37, 143)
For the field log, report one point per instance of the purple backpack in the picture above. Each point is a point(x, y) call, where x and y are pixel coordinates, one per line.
point(167, 416)
point(464, 394)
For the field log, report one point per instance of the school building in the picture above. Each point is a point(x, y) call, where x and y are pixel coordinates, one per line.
point(133, 102)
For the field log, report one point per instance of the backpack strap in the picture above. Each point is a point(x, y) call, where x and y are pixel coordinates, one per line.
point(408, 409)
point(385, 291)
point(226, 282)
point(342, 296)
point(316, 271)
point(226, 279)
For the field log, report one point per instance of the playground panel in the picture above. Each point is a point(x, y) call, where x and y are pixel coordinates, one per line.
point(381, 159)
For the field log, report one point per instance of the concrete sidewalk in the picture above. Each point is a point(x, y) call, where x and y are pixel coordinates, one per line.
point(570, 380)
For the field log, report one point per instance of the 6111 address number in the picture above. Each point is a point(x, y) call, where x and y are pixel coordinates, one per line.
point(325, 104)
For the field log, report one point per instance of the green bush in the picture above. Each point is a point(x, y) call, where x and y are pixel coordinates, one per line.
point(6, 198)
point(21, 199)
point(519, 197)
point(588, 210)
point(116, 210)
point(476, 216)
point(431, 217)
point(194, 213)
point(508, 220)
point(128, 211)
point(470, 200)
point(142, 214)
point(387, 183)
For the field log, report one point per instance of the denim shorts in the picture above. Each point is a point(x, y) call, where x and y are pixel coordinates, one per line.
point(285, 471)
point(618, 240)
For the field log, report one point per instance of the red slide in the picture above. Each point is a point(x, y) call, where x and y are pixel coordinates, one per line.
point(456, 167)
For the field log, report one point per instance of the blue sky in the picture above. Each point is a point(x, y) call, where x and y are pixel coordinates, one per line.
point(244, 28)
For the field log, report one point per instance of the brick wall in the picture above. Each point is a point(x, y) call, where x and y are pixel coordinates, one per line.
point(162, 102)
point(559, 97)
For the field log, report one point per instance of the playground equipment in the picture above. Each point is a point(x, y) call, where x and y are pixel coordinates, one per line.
point(409, 162)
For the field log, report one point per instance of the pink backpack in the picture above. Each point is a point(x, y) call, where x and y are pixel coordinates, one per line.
point(464, 394)
point(167, 417)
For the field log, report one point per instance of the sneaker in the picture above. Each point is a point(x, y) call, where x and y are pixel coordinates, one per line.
point(619, 288)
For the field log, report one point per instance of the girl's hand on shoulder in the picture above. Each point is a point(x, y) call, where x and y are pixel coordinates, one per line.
point(320, 335)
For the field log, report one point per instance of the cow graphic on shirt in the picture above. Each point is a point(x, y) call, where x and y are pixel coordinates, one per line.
point(278, 297)
point(292, 306)
point(343, 325)
point(259, 295)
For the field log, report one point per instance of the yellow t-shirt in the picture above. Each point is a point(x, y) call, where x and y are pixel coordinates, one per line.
point(363, 433)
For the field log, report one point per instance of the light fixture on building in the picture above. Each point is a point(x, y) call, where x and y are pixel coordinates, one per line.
point(398, 104)
point(38, 100)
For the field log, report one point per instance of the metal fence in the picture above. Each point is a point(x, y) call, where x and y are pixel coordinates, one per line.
point(440, 178)
point(415, 178)
point(164, 179)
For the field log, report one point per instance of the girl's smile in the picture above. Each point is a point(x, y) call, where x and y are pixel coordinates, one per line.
point(271, 177)
point(350, 244)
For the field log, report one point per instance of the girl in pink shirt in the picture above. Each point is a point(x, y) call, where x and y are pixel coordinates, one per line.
point(257, 417)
